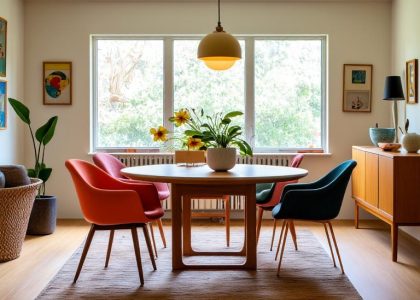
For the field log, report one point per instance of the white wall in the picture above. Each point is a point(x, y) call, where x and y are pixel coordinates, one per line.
point(406, 46)
point(11, 139)
point(358, 33)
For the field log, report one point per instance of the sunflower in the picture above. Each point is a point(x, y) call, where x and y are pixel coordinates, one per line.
point(181, 117)
point(159, 134)
point(194, 143)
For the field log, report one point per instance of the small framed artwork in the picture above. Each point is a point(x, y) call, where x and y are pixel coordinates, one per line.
point(3, 104)
point(357, 101)
point(357, 88)
point(411, 79)
point(57, 83)
point(3, 41)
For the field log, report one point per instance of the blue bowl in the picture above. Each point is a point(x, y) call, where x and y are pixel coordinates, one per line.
point(381, 135)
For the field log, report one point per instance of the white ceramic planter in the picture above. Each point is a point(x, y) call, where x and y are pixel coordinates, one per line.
point(411, 142)
point(221, 159)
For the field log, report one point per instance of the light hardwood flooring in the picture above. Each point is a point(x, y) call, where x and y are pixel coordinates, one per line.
point(365, 252)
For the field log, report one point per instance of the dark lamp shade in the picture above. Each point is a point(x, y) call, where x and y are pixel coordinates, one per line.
point(393, 88)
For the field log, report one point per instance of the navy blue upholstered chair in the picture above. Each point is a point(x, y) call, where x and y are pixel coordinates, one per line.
point(319, 201)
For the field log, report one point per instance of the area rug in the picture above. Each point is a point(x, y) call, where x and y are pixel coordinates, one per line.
point(306, 274)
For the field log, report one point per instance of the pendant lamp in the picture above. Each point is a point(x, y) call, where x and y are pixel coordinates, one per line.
point(219, 50)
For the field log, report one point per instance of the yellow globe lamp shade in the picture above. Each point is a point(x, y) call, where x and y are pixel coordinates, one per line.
point(219, 50)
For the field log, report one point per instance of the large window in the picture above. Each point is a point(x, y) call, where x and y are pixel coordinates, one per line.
point(139, 82)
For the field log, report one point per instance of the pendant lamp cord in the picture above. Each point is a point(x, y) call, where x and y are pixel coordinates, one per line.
point(218, 6)
point(219, 27)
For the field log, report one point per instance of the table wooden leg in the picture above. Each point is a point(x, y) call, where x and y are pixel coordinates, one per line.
point(186, 226)
point(394, 241)
point(176, 229)
point(250, 229)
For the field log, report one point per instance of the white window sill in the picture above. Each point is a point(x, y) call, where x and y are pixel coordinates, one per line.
point(260, 154)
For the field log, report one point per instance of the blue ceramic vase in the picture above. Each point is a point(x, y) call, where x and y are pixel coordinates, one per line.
point(381, 135)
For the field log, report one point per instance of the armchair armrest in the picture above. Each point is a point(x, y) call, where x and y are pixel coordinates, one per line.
point(146, 190)
point(108, 207)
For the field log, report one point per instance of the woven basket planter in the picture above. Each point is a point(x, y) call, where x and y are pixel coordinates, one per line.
point(15, 208)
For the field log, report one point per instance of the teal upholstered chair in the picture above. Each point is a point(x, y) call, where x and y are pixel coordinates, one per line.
point(268, 195)
point(318, 201)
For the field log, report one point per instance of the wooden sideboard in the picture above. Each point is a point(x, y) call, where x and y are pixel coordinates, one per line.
point(387, 185)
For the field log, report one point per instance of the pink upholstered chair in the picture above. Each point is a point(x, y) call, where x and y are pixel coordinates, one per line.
point(268, 196)
point(113, 166)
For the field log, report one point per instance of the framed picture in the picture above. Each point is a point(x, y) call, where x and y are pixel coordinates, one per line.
point(3, 41)
point(357, 88)
point(411, 79)
point(3, 104)
point(57, 83)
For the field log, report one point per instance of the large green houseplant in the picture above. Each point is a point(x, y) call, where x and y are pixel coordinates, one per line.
point(43, 216)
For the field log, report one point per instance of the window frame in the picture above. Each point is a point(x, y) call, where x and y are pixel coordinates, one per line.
point(168, 87)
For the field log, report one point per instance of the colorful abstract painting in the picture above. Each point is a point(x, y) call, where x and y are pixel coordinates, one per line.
point(3, 40)
point(57, 83)
point(3, 104)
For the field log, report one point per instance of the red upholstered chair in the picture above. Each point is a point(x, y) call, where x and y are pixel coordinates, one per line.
point(110, 204)
point(113, 166)
point(268, 196)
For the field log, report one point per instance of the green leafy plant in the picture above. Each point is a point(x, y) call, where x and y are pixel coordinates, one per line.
point(43, 136)
point(204, 131)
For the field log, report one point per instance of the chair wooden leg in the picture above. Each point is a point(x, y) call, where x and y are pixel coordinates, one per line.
point(227, 220)
point(162, 233)
point(282, 247)
point(274, 234)
point(293, 232)
point(149, 246)
point(108, 253)
point(85, 251)
point(259, 218)
point(329, 243)
point(137, 252)
point(336, 247)
point(281, 235)
point(153, 238)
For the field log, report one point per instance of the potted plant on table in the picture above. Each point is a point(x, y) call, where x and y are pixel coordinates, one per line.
point(44, 212)
point(214, 133)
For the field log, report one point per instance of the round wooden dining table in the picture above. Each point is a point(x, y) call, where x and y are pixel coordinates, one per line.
point(201, 180)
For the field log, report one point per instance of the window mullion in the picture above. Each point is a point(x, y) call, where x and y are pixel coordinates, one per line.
point(249, 91)
point(168, 84)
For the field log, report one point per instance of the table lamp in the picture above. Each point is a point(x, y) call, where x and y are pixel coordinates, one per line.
point(393, 91)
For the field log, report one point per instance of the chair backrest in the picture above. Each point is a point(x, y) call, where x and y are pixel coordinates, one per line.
point(105, 200)
point(274, 190)
point(190, 157)
point(323, 199)
point(296, 161)
point(110, 164)
point(87, 178)
point(335, 183)
point(113, 166)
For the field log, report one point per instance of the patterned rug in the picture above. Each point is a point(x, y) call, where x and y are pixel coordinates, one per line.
point(306, 274)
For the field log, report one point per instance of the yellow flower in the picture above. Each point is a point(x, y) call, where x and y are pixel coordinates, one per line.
point(181, 117)
point(194, 143)
point(159, 134)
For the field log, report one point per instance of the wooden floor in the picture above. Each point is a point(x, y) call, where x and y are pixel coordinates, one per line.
point(365, 253)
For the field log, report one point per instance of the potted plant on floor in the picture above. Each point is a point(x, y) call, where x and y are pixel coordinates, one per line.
point(44, 212)
point(214, 133)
